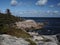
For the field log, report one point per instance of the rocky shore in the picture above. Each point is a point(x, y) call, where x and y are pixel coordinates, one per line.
point(44, 39)
point(12, 40)
point(29, 24)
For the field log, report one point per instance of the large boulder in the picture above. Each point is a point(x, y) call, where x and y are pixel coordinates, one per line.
point(29, 24)
point(10, 40)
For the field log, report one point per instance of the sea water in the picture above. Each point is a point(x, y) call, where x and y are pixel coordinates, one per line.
point(51, 28)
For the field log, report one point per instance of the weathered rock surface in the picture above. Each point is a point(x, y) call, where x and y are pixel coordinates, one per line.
point(29, 24)
point(10, 40)
point(52, 38)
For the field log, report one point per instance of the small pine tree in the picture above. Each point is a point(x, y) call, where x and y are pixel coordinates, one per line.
point(0, 11)
point(8, 11)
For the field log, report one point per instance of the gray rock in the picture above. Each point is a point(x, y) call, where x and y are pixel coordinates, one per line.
point(10, 40)
point(29, 24)
point(50, 37)
point(50, 43)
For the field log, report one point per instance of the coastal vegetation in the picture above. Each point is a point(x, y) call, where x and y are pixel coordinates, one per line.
point(31, 42)
point(7, 22)
point(6, 25)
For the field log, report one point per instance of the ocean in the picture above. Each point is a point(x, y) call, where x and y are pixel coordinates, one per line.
point(51, 28)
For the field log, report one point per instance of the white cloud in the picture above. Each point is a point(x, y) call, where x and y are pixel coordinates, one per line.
point(53, 12)
point(14, 2)
point(51, 6)
point(48, 11)
point(56, 12)
point(41, 2)
point(58, 4)
point(29, 12)
point(35, 13)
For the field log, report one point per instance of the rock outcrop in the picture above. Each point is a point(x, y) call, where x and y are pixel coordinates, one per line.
point(29, 24)
point(50, 40)
point(10, 40)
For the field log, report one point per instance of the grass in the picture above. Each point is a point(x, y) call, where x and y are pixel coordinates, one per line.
point(31, 42)
point(18, 33)
point(6, 22)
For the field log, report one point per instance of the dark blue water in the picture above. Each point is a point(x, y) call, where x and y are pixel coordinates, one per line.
point(51, 28)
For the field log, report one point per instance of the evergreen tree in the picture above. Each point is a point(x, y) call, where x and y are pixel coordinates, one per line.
point(8, 12)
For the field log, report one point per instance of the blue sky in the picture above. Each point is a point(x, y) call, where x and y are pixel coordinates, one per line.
point(32, 8)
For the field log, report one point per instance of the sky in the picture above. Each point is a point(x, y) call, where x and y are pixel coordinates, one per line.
point(32, 8)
